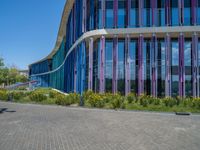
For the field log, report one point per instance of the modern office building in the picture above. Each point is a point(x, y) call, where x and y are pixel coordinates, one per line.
point(141, 46)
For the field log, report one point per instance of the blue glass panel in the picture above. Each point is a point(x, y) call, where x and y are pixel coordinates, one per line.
point(174, 13)
point(187, 12)
point(109, 14)
point(121, 13)
point(134, 13)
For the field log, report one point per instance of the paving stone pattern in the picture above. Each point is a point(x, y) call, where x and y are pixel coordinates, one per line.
point(36, 127)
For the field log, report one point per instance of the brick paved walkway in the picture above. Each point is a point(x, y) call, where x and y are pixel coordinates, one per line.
point(35, 127)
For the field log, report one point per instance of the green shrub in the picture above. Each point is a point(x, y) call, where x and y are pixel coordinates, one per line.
point(75, 97)
point(22, 88)
point(95, 100)
point(196, 103)
point(37, 96)
point(143, 100)
point(63, 100)
point(131, 97)
point(117, 101)
point(3, 95)
point(53, 94)
point(169, 102)
point(156, 101)
point(17, 95)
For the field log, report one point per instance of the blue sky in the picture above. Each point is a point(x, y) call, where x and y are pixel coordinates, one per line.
point(28, 29)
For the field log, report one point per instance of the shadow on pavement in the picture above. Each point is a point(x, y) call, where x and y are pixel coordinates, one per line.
point(3, 110)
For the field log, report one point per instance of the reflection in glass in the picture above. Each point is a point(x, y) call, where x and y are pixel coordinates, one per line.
point(188, 67)
point(96, 65)
point(161, 68)
point(120, 67)
point(174, 67)
point(108, 65)
point(147, 66)
point(133, 52)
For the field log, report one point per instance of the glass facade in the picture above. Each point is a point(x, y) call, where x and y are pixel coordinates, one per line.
point(174, 13)
point(121, 13)
point(108, 65)
point(161, 62)
point(188, 66)
point(147, 66)
point(116, 57)
point(121, 66)
point(133, 52)
point(134, 13)
point(175, 67)
point(109, 14)
point(187, 12)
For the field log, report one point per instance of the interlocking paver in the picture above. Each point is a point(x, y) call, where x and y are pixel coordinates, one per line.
point(36, 127)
